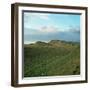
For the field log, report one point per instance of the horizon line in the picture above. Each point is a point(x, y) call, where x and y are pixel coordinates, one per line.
point(33, 42)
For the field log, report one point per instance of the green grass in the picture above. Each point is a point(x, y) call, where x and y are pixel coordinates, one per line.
point(51, 59)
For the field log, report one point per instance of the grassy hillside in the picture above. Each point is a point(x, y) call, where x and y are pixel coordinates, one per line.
point(50, 59)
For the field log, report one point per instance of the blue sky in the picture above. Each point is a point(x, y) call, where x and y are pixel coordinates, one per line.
point(46, 27)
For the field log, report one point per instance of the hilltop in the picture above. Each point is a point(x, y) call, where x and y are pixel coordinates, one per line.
point(52, 43)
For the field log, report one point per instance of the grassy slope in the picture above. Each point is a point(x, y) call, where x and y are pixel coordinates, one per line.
point(54, 58)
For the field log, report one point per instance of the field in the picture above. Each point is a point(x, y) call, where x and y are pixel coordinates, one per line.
point(54, 58)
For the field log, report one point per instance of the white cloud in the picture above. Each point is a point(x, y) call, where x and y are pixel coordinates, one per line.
point(39, 15)
point(29, 17)
point(73, 29)
point(42, 16)
point(41, 30)
point(48, 29)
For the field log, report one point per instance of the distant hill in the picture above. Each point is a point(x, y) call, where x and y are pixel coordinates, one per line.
point(41, 43)
point(54, 58)
point(52, 43)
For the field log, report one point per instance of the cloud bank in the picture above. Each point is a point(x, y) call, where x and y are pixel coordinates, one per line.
point(48, 33)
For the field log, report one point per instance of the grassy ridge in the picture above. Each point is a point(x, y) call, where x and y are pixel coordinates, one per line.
point(53, 58)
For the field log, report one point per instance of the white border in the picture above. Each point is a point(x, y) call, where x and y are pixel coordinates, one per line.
point(33, 80)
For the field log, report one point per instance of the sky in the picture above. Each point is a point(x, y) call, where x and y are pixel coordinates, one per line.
point(46, 27)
